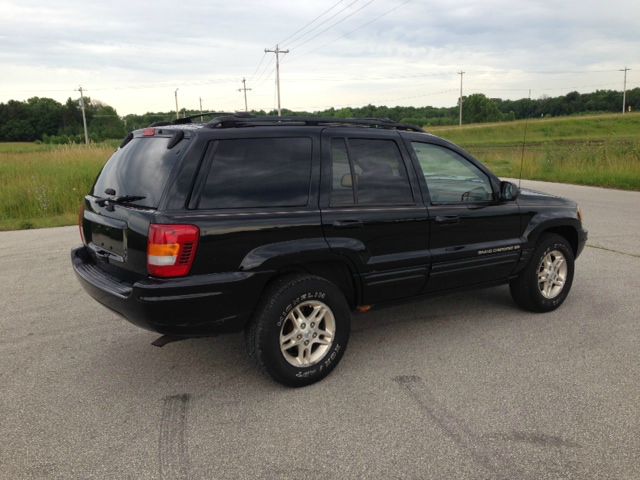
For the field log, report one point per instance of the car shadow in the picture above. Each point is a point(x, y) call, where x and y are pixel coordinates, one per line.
point(212, 363)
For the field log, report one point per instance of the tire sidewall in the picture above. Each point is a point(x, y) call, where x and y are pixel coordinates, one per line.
point(553, 243)
point(275, 316)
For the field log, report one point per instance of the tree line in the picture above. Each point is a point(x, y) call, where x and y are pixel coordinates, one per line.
point(46, 120)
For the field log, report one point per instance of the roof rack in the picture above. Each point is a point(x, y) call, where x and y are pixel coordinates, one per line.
point(235, 120)
point(189, 119)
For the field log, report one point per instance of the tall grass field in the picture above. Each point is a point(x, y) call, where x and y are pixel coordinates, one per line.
point(43, 185)
point(599, 150)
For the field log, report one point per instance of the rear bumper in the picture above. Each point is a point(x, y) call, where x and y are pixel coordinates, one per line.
point(196, 305)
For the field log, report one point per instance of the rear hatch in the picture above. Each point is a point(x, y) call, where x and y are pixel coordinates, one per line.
point(124, 199)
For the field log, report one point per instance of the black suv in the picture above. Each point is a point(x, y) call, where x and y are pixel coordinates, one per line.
point(282, 227)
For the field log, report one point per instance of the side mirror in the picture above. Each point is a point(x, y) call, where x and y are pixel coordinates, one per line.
point(508, 191)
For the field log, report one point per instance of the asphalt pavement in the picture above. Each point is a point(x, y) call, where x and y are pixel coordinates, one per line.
point(464, 386)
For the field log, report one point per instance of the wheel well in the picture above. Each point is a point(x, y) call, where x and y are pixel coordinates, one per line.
point(569, 233)
point(333, 271)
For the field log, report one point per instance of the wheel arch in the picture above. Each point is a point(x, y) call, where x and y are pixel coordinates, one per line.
point(550, 222)
point(335, 271)
point(568, 232)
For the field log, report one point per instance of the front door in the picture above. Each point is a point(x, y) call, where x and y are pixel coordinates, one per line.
point(475, 237)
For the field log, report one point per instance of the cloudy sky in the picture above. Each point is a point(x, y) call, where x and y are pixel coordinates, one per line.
point(134, 54)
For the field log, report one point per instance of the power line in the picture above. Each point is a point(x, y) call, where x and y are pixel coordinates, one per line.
point(264, 55)
point(384, 14)
point(333, 24)
point(386, 100)
point(311, 22)
point(265, 78)
point(260, 79)
point(323, 22)
point(480, 89)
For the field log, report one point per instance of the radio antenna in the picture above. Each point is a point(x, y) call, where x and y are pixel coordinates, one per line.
point(524, 141)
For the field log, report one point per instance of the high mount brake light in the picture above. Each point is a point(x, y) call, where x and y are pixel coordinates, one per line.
point(171, 249)
point(149, 132)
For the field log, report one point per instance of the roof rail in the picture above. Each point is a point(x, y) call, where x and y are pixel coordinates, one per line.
point(189, 119)
point(248, 120)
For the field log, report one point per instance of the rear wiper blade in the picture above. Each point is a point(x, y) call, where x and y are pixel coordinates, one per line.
point(123, 199)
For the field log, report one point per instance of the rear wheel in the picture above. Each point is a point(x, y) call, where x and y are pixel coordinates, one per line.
point(546, 281)
point(300, 330)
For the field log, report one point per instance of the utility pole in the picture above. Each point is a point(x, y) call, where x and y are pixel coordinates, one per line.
point(200, 98)
point(176, 95)
point(624, 89)
point(277, 51)
point(84, 117)
point(461, 73)
point(244, 88)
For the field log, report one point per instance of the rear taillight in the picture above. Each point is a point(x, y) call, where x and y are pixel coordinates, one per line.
point(171, 249)
point(81, 224)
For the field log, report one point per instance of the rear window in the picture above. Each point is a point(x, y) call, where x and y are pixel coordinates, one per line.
point(259, 172)
point(141, 167)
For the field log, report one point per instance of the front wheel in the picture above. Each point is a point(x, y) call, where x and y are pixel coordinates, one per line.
point(300, 330)
point(545, 282)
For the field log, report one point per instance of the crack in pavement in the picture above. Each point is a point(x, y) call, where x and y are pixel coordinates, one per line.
point(598, 247)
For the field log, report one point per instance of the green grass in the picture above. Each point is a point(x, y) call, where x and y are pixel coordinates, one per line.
point(43, 185)
point(599, 150)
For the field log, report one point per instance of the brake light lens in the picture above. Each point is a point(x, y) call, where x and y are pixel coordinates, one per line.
point(171, 249)
point(149, 132)
point(81, 223)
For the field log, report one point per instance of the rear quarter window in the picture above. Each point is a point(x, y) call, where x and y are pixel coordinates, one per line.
point(258, 172)
point(141, 167)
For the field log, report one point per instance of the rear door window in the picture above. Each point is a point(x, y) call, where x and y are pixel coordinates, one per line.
point(258, 172)
point(373, 170)
point(140, 168)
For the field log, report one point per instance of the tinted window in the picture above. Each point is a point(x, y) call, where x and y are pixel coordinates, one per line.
point(341, 179)
point(380, 174)
point(259, 172)
point(139, 168)
point(450, 177)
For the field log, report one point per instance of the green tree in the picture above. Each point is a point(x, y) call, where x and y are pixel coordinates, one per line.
point(478, 108)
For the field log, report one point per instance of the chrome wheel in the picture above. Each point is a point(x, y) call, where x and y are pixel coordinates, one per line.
point(552, 274)
point(307, 333)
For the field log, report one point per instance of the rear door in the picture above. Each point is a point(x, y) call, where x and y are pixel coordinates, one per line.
point(116, 234)
point(372, 211)
point(474, 237)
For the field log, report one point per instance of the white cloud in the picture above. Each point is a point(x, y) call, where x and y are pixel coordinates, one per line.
point(133, 54)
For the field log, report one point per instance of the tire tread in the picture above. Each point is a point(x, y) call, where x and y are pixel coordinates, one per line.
point(524, 290)
point(260, 321)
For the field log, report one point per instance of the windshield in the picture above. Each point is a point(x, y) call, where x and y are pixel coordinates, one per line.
point(140, 169)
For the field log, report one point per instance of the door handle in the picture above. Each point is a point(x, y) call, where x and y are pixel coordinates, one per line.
point(447, 219)
point(348, 224)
